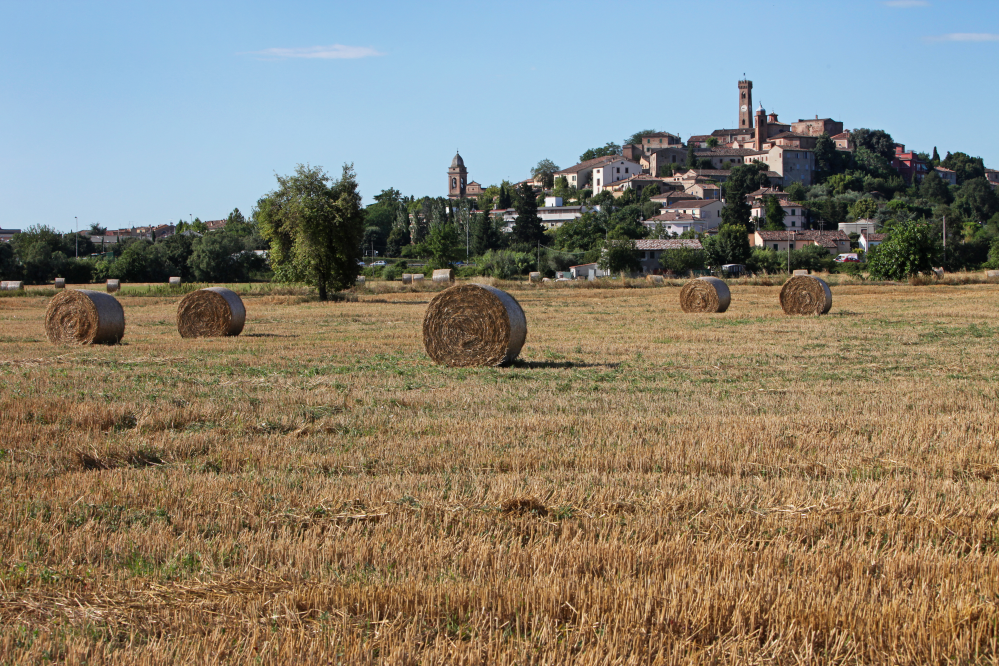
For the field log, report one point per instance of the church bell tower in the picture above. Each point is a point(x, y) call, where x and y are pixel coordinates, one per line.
point(457, 178)
point(745, 104)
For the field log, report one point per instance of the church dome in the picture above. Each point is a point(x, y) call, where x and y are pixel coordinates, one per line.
point(457, 161)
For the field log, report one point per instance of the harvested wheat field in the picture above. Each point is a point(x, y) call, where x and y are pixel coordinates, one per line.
point(641, 486)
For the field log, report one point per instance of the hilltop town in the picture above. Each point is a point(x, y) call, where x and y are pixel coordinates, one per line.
point(767, 195)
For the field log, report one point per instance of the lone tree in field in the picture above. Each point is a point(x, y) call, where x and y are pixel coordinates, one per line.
point(910, 249)
point(314, 226)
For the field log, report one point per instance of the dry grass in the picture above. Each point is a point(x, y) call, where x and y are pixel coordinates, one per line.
point(643, 486)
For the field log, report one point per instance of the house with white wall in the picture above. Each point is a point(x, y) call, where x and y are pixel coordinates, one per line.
point(599, 172)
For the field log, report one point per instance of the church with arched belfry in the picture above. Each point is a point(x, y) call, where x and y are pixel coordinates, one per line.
point(458, 185)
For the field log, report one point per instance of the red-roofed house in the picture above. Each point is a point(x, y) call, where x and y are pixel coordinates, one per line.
point(836, 242)
point(909, 165)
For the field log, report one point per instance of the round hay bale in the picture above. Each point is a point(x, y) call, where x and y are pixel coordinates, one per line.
point(545, 280)
point(113, 286)
point(84, 317)
point(60, 283)
point(359, 281)
point(174, 282)
point(407, 278)
point(418, 277)
point(474, 325)
point(992, 274)
point(13, 285)
point(705, 294)
point(211, 313)
point(534, 276)
point(805, 295)
point(801, 271)
point(654, 279)
point(443, 275)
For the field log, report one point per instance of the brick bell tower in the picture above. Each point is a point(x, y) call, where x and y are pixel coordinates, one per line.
point(457, 177)
point(745, 104)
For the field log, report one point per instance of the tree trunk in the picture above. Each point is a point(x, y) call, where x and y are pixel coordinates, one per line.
point(323, 296)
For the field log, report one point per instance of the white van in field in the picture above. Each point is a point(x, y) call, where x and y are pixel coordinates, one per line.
point(847, 257)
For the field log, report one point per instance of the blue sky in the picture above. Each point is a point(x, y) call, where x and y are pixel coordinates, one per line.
point(130, 113)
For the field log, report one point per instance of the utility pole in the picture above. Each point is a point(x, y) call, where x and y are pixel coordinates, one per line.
point(945, 238)
point(788, 251)
point(77, 236)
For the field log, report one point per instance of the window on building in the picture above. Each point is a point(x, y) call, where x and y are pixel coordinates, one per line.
point(775, 246)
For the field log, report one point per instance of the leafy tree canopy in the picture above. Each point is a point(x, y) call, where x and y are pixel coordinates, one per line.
point(545, 170)
point(314, 226)
point(909, 249)
point(976, 200)
point(636, 138)
point(606, 150)
point(876, 141)
point(965, 167)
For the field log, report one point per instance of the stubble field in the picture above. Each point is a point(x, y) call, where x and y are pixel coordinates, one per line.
point(643, 486)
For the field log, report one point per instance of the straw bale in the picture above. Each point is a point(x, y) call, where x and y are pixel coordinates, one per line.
point(444, 275)
point(939, 272)
point(805, 295)
point(84, 317)
point(418, 277)
point(534, 276)
point(801, 271)
point(992, 274)
point(474, 325)
point(174, 282)
point(545, 280)
point(705, 294)
point(407, 278)
point(654, 279)
point(60, 283)
point(359, 281)
point(113, 286)
point(211, 312)
point(12, 285)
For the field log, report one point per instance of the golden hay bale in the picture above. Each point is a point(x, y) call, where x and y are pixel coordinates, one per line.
point(534, 276)
point(654, 279)
point(359, 281)
point(174, 282)
point(407, 278)
point(805, 295)
point(418, 277)
point(113, 286)
point(705, 294)
point(443, 275)
point(84, 317)
point(60, 283)
point(474, 325)
point(211, 312)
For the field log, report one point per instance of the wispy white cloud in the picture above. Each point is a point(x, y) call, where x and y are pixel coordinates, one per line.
point(905, 4)
point(964, 37)
point(334, 52)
